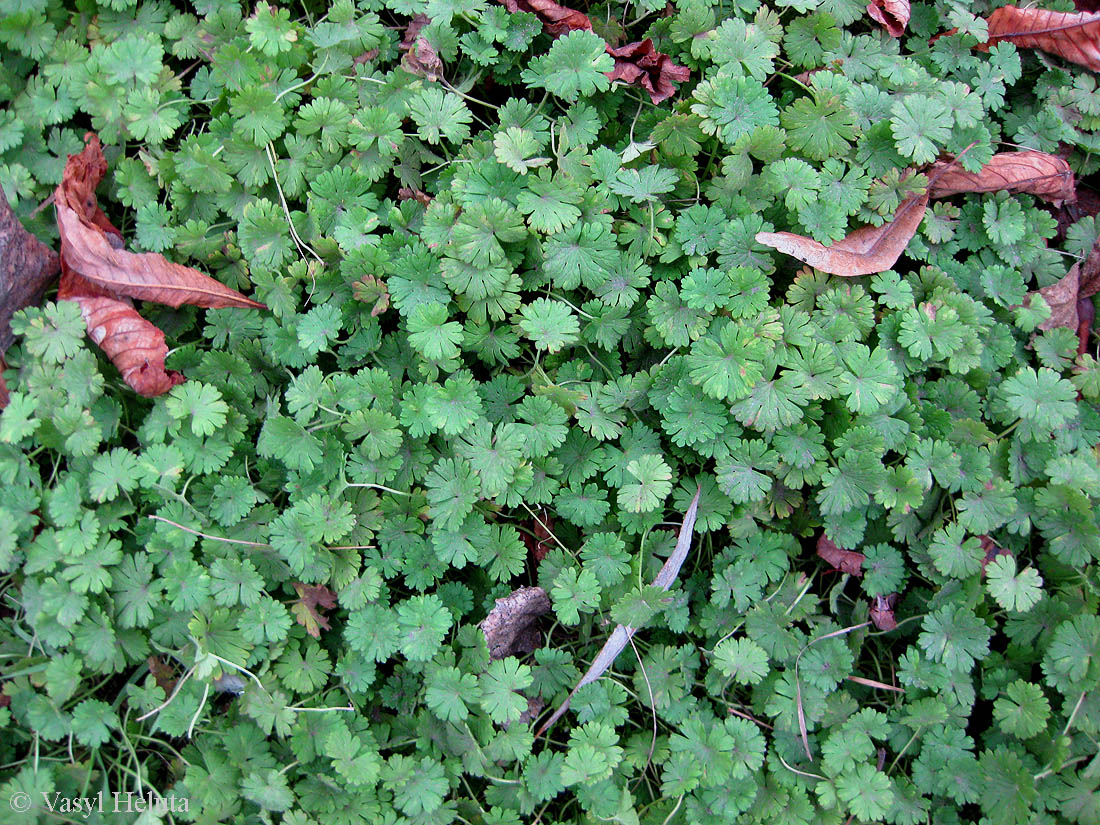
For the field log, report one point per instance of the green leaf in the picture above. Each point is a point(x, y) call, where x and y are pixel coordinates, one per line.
point(575, 65)
point(1011, 590)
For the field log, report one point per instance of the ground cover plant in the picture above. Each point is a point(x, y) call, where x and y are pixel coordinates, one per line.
point(504, 300)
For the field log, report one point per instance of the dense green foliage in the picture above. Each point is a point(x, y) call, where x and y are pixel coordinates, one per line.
point(581, 330)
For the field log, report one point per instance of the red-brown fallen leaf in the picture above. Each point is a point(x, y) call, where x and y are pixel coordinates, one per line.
point(135, 346)
point(882, 611)
point(991, 551)
point(540, 541)
point(101, 277)
point(26, 266)
point(406, 193)
point(1068, 296)
point(312, 599)
point(420, 58)
point(1086, 314)
point(640, 64)
point(846, 561)
point(162, 674)
point(892, 14)
point(1072, 36)
point(556, 20)
point(868, 250)
point(1036, 173)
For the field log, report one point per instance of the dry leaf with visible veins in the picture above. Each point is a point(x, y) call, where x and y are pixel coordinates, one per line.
point(26, 266)
point(556, 20)
point(1035, 173)
point(1073, 36)
point(312, 599)
point(892, 14)
point(868, 250)
point(846, 561)
point(640, 64)
point(420, 58)
point(510, 626)
point(101, 277)
point(1068, 297)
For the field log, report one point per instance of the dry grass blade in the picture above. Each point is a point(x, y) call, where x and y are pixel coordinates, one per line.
point(1075, 37)
point(802, 731)
point(622, 633)
point(859, 680)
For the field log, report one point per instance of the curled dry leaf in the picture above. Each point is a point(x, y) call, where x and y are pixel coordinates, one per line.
point(307, 610)
point(135, 346)
point(510, 626)
point(1072, 36)
point(640, 64)
point(420, 58)
point(882, 612)
point(847, 561)
point(892, 14)
point(101, 277)
point(556, 20)
point(868, 250)
point(1070, 298)
point(406, 193)
point(26, 266)
point(1035, 173)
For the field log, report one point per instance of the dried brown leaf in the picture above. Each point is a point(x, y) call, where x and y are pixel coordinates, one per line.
point(640, 64)
point(307, 610)
point(26, 266)
point(419, 57)
point(88, 248)
point(892, 14)
point(135, 346)
point(868, 250)
point(882, 613)
point(847, 561)
point(540, 540)
point(556, 19)
point(992, 550)
point(101, 276)
point(1068, 296)
point(406, 193)
point(162, 673)
point(509, 627)
point(1035, 173)
point(1072, 36)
